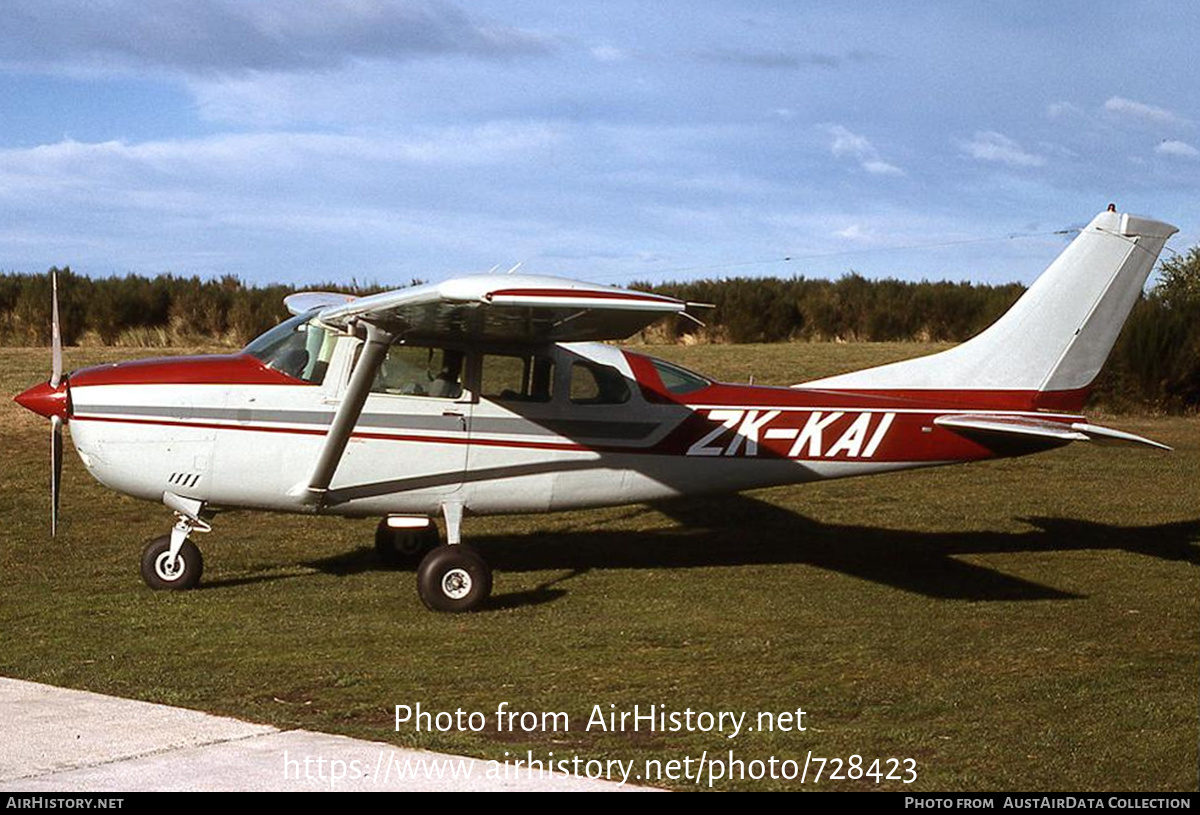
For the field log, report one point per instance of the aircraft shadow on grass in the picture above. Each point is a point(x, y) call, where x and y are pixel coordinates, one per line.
point(740, 530)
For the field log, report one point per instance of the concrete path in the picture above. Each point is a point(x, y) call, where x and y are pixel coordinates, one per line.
point(60, 740)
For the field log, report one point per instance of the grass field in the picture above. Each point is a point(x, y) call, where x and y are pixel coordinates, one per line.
point(1025, 624)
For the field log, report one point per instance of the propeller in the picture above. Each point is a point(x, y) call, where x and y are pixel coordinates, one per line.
point(55, 336)
point(56, 422)
point(52, 400)
point(56, 455)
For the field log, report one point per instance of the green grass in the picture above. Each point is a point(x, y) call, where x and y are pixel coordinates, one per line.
point(1024, 624)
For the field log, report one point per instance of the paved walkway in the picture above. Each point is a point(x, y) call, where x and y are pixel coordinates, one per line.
point(60, 740)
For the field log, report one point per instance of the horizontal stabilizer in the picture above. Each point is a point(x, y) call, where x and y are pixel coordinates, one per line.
point(1106, 435)
point(1033, 428)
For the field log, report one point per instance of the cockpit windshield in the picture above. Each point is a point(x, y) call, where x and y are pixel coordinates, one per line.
point(300, 347)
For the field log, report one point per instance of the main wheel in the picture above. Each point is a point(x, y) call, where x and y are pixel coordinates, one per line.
point(162, 575)
point(404, 547)
point(454, 578)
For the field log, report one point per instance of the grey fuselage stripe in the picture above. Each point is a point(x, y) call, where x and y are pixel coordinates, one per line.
point(516, 426)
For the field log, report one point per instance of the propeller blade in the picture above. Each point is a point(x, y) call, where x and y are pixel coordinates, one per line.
point(56, 457)
point(55, 339)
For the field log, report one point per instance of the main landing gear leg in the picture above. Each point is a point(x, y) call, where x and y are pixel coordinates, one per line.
point(454, 577)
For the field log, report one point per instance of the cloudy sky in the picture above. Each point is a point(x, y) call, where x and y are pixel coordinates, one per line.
point(300, 141)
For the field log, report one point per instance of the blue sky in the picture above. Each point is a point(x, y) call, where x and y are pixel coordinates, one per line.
point(385, 140)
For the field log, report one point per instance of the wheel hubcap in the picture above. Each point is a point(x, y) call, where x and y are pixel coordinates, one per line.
point(456, 584)
point(167, 569)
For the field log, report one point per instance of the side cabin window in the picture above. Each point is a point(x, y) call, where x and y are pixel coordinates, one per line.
point(595, 384)
point(413, 370)
point(300, 348)
point(525, 378)
point(678, 380)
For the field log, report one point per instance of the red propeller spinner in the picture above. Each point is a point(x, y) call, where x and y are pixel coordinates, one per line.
point(46, 400)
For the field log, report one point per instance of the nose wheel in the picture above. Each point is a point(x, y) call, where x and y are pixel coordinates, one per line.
point(163, 572)
point(173, 562)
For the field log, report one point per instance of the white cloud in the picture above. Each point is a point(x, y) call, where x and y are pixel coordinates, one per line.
point(847, 144)
point(855, 232)
point(988, 145)
point(1058, 110)
point(881, 168)
point(1141, 111)
point(608, 53)
point(876, 228)
point(266, 153)
point(1181, 149)
point(402, 202)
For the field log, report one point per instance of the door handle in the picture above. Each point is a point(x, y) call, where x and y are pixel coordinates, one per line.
point(457, 415)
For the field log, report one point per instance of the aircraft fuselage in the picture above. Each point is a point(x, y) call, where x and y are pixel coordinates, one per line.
point(232, 432)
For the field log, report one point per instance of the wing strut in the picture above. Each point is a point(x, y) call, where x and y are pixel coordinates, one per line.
point(373, 351)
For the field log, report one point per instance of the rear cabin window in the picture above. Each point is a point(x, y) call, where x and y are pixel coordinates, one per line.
point(678, 380)
point(517, 378)
point(593, 384)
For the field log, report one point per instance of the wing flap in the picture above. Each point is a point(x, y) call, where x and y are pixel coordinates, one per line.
point(1032, 428)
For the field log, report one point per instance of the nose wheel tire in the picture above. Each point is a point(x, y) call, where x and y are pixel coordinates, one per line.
point(454, 578)
point(404, 547)
point(162, 574)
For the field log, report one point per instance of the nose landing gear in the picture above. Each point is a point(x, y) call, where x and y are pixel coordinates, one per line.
point(163, 571)
point(172, 562)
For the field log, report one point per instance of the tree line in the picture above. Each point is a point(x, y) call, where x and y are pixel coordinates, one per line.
point(136, 310)
point(1156, 362)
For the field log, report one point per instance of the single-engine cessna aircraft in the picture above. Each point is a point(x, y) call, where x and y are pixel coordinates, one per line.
point(492, 394)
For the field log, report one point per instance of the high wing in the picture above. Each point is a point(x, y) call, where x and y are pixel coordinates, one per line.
point(505, 308)
point(305, 301)
point(497, 308)
point(1029, 427)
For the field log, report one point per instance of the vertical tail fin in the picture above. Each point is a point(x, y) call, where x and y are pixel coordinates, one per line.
point(1052, 343)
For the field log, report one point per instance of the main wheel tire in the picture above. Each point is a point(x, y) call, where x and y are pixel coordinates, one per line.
point(404, 547)
point(160, 575)
point(454, 578)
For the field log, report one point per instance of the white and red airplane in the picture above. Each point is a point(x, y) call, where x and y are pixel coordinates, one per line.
point(492, 394)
